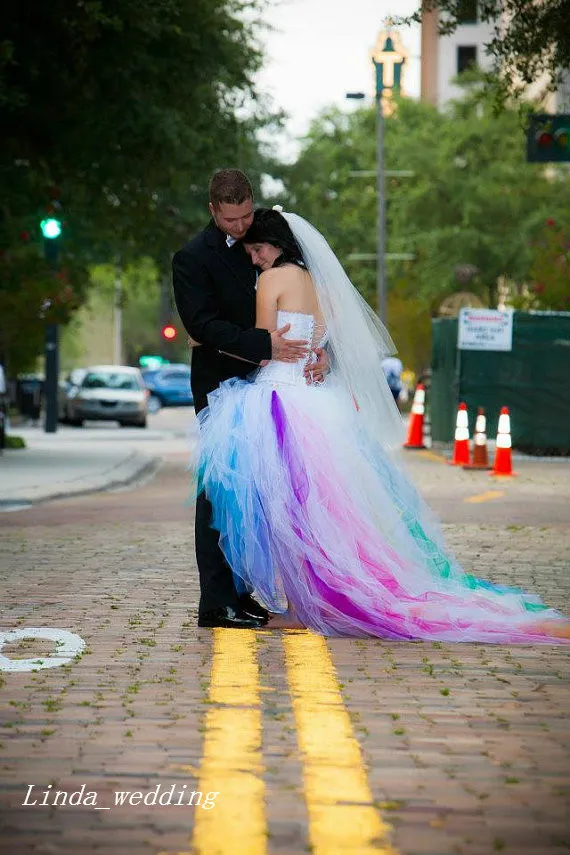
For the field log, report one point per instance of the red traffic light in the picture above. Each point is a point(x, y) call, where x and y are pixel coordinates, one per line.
point(169, 332)
point(548, 138)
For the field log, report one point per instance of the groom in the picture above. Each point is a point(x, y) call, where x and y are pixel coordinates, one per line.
point(214, 288)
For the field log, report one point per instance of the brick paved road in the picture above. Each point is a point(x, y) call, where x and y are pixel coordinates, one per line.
point(466, 747)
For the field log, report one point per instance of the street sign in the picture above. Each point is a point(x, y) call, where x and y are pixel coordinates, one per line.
point(485, 329)
point(548, 138)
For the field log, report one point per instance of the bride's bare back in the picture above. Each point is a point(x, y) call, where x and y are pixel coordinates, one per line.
point(296, 292)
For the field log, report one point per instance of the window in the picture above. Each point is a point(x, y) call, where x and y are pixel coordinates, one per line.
point(467, 12)
point(104, 380)
point(466, 57)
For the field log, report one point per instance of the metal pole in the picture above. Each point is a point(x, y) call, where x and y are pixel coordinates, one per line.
point(381, 201)
point(51, 378)
point(118, 318)
point(51, 352)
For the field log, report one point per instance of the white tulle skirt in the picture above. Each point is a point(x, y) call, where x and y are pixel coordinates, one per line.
point(314, 515)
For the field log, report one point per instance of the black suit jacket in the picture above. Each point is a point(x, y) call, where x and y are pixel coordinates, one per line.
point(214, 289)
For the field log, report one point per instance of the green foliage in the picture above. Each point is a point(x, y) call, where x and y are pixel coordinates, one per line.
point(120, 112)
point(528, 39)
point(474, 199)
point(31, 295)
point(550, 271)
point(13, 441)
point(89, 337)
point(473, 203)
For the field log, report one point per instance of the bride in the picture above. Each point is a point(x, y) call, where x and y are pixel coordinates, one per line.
point(313, 512)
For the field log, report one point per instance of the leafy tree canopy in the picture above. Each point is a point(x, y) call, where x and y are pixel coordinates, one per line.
point(473, 202)
point(120, 112)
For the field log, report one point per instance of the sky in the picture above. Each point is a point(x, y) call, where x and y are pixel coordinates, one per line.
point(319, 50)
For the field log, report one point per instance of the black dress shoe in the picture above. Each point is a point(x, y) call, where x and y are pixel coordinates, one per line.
point(231, 617)
point(252, 607)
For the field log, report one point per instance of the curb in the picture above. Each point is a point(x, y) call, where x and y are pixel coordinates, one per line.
point(138, 466)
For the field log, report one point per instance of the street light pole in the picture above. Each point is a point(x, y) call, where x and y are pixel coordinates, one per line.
point(387, 56)
point(381, 285)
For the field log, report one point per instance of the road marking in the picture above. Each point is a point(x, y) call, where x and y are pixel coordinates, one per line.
point(342, 817)
point(231, 758)
point(485, 497)
point(432, 455)
point(68, 646)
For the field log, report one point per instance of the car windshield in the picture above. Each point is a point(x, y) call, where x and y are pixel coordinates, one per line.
point(110, 380)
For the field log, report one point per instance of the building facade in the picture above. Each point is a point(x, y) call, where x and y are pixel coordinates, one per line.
point(444, 57)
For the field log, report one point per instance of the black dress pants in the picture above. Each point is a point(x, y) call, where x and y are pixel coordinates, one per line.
point(216, 580)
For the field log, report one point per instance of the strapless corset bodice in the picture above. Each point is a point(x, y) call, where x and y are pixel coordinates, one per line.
point(303, 327)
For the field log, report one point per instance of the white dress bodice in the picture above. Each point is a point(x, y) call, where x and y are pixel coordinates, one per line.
point(303, 327)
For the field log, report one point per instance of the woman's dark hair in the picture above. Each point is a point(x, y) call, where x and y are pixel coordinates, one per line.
point(271, 227)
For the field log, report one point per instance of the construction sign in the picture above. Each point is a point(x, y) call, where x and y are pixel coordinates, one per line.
point(485, 329)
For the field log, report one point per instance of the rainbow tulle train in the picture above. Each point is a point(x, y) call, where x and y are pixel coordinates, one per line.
point(314, 515)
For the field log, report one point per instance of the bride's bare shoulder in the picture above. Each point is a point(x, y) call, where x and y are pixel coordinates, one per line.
point(286, 275)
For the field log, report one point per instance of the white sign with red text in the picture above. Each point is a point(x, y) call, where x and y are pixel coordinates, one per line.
point(485, 329)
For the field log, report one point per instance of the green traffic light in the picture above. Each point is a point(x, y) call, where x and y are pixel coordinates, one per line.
point(51, 228)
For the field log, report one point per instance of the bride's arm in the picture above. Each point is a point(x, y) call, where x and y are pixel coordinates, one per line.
point(266, 305)
point(268, 291)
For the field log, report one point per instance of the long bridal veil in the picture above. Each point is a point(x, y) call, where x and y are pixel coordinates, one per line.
point(358, 340)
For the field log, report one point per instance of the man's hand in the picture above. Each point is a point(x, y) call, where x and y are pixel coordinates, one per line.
point(315, 371)
point(286, 349)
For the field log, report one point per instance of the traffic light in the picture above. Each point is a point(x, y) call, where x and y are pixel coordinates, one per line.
point(169, 332)
point(548, 138)
point(151, 361)
point(51, 228)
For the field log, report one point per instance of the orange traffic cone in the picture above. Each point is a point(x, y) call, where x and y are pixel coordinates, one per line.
point(503, 465)
point(461, 447)
point(415, 438)
point(480, 456)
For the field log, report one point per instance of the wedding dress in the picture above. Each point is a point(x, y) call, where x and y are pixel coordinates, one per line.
point(316, 514)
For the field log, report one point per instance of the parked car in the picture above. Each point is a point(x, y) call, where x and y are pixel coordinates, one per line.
point(168, 386)
point(104, 392)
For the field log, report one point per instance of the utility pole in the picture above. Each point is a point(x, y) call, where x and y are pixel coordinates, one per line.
point(390, 59)
point(380, 201)
point(118, 316)
point(51, 231)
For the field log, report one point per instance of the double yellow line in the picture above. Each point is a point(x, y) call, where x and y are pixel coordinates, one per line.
point(342, 817)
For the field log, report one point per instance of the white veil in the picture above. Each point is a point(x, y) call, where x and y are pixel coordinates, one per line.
point(358, 340)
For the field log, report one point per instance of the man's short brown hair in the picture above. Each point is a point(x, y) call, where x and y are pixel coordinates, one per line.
point(231, 186)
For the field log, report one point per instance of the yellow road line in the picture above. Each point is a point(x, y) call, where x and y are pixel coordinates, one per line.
point(342, 817)
point(433, 455)
point(231, 758)
point(485, 497)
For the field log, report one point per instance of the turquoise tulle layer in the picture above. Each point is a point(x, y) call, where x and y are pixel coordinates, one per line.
point(314, 516)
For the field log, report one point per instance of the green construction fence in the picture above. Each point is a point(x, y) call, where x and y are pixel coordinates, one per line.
point(532, 380)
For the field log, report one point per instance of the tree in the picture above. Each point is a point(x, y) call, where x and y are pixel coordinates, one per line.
point(120, 110)
point(473, 202)
point(474, 199)
point(529, 38)
point(550, 271)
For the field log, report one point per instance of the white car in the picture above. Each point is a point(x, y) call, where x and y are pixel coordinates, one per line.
point(104, 392)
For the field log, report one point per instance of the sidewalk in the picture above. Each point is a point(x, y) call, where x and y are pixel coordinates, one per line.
point(60, 465)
